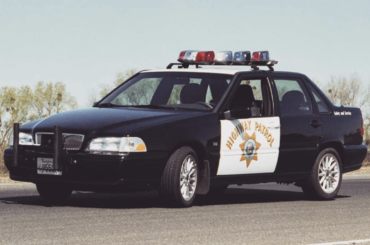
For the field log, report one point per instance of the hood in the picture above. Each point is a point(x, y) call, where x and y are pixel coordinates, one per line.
point(99, 120)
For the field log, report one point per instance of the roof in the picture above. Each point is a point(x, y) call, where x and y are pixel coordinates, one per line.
point(223, 71)
point(200, 70)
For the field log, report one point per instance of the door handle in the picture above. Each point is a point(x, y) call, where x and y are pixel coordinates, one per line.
point(315, 123)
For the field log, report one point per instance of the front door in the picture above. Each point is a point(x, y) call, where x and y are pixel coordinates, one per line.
point(250, 143)
point(249, 146)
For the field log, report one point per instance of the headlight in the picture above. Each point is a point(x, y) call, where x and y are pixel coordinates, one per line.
point(24, 139)
point(116, 146)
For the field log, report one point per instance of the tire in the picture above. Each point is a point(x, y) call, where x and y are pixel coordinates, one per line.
point(179, 180)
point(217, 189)
point(53, 193)
point(326, 176)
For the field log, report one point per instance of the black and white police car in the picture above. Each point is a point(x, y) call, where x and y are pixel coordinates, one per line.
point(194, 131)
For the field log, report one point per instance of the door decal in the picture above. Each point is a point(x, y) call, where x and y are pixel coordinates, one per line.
point(249, 146)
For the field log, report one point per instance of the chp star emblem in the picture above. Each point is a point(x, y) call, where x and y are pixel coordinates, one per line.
point(249, 148)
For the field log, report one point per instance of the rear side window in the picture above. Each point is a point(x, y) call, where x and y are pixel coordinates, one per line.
point(321, 105)
point(293, 97)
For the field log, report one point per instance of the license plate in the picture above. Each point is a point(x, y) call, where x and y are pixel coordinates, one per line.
point(45, 166)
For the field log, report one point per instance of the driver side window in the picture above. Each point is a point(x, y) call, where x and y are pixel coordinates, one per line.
point(251, 99)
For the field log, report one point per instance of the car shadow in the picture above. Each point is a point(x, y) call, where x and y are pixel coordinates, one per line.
point(242, 195)
point(150, 199)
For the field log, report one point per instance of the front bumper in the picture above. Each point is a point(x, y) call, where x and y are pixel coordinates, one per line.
point(90, 172)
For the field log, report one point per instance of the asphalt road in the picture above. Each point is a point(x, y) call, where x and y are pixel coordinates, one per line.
point(251, 214)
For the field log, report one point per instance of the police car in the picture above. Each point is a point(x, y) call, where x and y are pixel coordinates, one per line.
point(194, 131)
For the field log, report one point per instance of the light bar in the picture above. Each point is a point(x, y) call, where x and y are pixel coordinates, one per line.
point(223, 57)
point(260, 58)
point(193, 56)
point(242, 57)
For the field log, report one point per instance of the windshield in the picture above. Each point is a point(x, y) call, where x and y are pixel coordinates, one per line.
point(199, 91)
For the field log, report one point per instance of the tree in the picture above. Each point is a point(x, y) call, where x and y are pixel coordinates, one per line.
point(14, 107)
point(347, 91)
point(51, 98)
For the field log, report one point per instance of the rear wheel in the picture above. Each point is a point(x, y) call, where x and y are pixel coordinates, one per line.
point(180, 178)
point(326, 176)
point(53, 193)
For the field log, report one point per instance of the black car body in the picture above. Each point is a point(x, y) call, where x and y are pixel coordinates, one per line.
point(276, 136)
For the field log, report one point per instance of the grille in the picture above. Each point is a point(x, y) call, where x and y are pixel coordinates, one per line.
point(71, 141)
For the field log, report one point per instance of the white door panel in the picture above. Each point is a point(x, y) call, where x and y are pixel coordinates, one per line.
point(249, 146)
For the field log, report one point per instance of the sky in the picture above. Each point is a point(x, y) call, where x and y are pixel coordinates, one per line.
point(85, 43)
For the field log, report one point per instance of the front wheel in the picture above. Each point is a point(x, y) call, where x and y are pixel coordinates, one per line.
point(53, 193)
point(326, 177)
point(180, 178)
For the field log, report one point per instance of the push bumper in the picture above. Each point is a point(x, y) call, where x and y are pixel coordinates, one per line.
point(89, 172)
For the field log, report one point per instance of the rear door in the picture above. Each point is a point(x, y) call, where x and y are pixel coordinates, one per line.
point(301, 128)
point(250, 144)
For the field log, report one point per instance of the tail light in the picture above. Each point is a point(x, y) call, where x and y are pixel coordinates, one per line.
point(362, 127)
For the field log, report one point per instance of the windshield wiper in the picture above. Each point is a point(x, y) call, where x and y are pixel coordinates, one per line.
point(106, 105)
point(136, 106)
point(153, 106)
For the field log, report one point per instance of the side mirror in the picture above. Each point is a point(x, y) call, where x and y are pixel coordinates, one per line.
point(95, 103)
point(227, 115)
